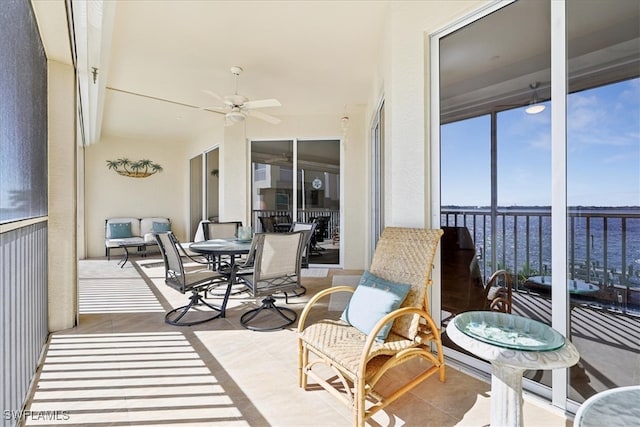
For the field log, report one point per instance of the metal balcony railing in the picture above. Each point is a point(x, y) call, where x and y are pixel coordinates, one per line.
point(333, 218)
point(603, 244)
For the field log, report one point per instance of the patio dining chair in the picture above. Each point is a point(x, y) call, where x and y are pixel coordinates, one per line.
point(195, 280)
point(385, 326)
point(272, 267)
point(309, 228)
point(220, 230)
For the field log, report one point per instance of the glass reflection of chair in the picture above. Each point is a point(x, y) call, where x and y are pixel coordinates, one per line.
point(267, 224)
point(272, 266)
point(322, 231)
point(318, 234)
point(185, 280)
point(463, 288)
point(281, 223)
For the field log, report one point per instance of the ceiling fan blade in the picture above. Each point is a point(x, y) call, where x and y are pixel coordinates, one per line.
point(220, 110)
point(218, 97)
point(262, 103)
point(263, 116)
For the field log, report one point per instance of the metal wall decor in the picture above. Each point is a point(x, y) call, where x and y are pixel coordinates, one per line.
point(138, 169)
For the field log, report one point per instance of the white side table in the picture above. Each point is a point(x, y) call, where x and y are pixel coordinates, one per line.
point(513, 344)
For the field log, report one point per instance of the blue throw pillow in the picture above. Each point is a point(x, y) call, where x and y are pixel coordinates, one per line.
point(373, 299)
point(161, 227)
point(120, 230)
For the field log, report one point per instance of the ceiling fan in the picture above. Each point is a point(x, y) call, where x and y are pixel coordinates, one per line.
point(237, 108)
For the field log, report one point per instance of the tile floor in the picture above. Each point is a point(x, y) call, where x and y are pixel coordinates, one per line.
point(124, 366)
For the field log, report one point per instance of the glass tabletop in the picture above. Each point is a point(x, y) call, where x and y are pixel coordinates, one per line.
point(221, 245)
point(508, 331)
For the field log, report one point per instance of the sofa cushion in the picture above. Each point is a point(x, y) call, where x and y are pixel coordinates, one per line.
point(146, 224)
point(119, 230)
point(135, 225)
point(161, 227)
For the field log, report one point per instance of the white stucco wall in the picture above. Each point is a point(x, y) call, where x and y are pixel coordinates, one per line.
point(405, 81)
point(402, 77)
point(109, 194)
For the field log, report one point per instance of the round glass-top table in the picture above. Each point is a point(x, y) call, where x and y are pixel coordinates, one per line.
point(617, 407)
point(513, 344)
point(574, 286)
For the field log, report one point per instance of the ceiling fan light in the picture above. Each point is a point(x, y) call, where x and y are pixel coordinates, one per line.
point(236, 116)
point(534, 109)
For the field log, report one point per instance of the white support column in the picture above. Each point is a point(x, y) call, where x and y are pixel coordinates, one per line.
point(63, 260)
point(559, 294)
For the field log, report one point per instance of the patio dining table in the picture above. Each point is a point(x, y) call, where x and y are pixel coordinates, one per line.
point(221, 247)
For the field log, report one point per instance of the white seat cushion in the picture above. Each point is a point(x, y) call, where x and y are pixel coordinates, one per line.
point(114, 243)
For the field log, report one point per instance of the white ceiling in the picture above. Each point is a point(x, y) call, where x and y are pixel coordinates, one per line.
point(319, 57)
point(315, 57)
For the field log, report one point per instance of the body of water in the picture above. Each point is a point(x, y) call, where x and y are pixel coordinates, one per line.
point(603, 244)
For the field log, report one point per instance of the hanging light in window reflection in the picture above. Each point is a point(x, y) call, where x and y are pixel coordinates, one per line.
point(534, 106)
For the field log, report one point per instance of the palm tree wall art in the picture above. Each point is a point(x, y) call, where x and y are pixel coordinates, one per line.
point(138, 169)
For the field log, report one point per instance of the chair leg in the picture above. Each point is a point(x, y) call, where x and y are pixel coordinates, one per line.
point(268, 304)
point(303, 360)
point(297, 292)
point(359, 403)
point(194, 300)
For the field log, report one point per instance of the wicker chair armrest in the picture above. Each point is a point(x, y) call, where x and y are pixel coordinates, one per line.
point(307, 308)
point(502, 300)
point(367, 353)
point(497, 274)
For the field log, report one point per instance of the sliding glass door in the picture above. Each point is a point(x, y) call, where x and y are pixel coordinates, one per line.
point(552, 195)
point(603, 193)
point(313, 196)
point(204, 190)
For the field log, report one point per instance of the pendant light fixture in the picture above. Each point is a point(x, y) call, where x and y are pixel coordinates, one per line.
point(534, 106)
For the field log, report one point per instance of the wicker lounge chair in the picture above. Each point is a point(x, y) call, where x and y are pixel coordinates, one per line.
point(403, 255)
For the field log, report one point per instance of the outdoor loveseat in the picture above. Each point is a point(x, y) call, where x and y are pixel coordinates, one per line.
point(133, 232)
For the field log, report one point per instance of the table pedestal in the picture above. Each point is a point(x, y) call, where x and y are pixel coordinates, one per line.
point(506, 396)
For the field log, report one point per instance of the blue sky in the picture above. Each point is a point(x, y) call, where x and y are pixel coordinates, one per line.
point(603, 155)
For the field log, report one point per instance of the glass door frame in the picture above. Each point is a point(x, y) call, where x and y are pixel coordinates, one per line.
point(559, 297)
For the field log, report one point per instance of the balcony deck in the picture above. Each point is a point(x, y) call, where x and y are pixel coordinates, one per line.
point(124, 366)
